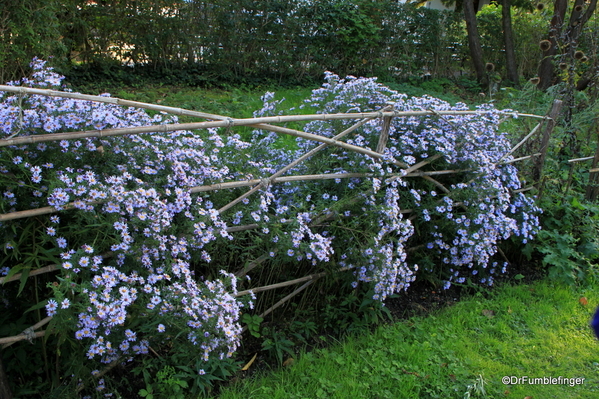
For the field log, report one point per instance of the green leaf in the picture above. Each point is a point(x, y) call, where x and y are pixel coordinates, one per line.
point(13, 270)
point(36, 306)
point(518, 277)
point(576, 204)
point(24, 277)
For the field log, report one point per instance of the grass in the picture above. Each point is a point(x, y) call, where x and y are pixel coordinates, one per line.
point(534, 331)
point(232, 102)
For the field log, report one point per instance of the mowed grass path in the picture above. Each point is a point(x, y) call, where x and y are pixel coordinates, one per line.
point(464, 351)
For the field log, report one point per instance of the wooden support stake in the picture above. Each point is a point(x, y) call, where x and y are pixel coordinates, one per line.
point(592, 189)
point(28, 334)
point(282, 301)
point(384, 136)
point(529, 135)
point(553, 114)
point(287, 283)
point(45, 269)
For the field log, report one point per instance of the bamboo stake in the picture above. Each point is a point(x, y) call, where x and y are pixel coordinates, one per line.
point(241, 228)
point(529, 135)
point(46, 210)
point(11, 340)
point(324, 176)
point(521, 158)
point(26, 214)
point(580, 159)
point(521, 190)
point(419, 165)
point(252, 265)
point(286, 283)
point(260, 123)
point(28, 334)
point(185, 112)
point(281, 179)
point(45, 269)
point(42, 270)
point(282, 301)
point(267, 181)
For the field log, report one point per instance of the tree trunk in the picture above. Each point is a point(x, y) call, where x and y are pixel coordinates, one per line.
point(476, 52)
point(555, 28)
point(569, 39)
point(508, 39)
point(5, 392)
point(577, 20)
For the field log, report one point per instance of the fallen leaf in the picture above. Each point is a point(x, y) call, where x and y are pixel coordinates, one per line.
point(247, 366)
point(528, 397)
point(489, 313)
point(288, 362)
point(583, 301)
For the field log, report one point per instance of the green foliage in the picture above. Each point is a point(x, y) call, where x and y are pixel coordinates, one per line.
point(168, 385)
point(529, 29)
point(277, 345)
point(239, 42)
point(253, 323)
point(28, 29)
point(569, 241)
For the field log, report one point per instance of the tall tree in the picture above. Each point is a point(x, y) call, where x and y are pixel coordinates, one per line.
point(561, 37)
point(27, 29)
point(476, 52)
point(508, 39)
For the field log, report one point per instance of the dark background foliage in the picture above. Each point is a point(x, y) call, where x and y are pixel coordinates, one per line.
point(207, 43)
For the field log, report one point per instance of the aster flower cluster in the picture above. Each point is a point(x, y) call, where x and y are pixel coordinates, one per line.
point(139, 253)
point(126, 249)
point(450, 224)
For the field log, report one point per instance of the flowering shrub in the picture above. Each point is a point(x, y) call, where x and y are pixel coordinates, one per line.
point(142, 260)
point(461, 217)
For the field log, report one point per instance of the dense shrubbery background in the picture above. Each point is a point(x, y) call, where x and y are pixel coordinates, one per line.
point(253, 42)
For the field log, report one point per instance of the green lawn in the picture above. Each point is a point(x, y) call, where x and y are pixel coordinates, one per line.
point(464, 351)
